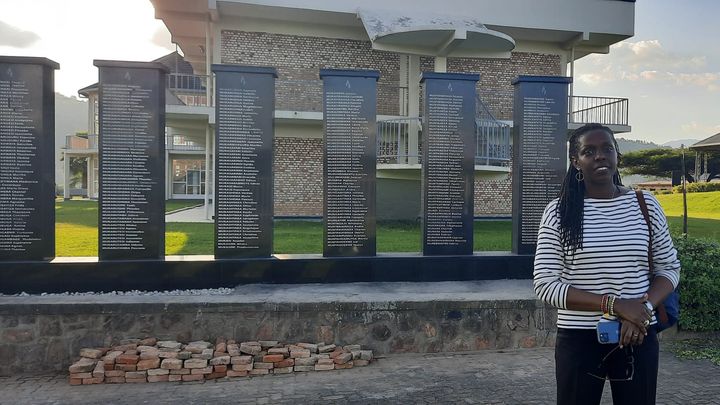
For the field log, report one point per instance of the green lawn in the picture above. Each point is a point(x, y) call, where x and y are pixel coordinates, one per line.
point(173, 205)
point(77, 234)
point(77, 229)
point(700, 205)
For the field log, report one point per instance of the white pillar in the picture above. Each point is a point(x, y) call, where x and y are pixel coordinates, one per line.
point(90, 176)
point(441, 64)
point(208, 64)
point(413, 107)
point(66, 187)
point(207, 171)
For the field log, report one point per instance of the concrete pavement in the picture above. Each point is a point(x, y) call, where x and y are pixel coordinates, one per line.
point(524, 376)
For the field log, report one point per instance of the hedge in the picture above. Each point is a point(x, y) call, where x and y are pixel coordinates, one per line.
point(699, 284)
point(700, 187)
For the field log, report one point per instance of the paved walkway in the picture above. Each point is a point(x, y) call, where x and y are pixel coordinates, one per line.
point(195, 214)
point(488, 377)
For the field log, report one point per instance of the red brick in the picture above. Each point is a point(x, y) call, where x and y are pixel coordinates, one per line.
point(174, 378)
point(343, 358)
point(222, 368)
point(83, 365)
point(259, 371)
point(215, 376)
point(232, 373)
point(324, 367)
point(76, 381)
point(158, 371)
point(193, 377)
point(171, 364)
point(273, 358)
point(115, 380)
point(135, 374)
point(204, 370)
point(96, 380)
point(282, 370)
point(262, 365)
point(242, 367)
point(181, 371)
point(158, 378)
point(241, 360)
point(126, 367)
point(285, 363)
point(92, 353)
point(127, 359)
point(114, 373)
point(148, 364)
point(149, 341)
point(81, 375)
point(347, 365)
point(135, 380)
point(99, 370)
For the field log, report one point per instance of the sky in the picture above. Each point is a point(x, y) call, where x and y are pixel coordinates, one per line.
point(670, 69)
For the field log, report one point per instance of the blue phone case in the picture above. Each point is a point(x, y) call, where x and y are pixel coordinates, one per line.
point(608, 331)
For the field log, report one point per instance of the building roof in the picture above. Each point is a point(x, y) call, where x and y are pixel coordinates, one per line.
point(173, 61)
point(708, 144)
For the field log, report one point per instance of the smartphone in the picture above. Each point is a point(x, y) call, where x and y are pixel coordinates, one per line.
point(608, 331)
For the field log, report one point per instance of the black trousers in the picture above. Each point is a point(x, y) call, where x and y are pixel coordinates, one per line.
point(579, 369)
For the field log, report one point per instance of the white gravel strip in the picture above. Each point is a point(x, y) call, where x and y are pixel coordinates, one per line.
point(207, 291)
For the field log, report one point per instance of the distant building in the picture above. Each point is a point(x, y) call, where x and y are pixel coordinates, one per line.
point(497, 39)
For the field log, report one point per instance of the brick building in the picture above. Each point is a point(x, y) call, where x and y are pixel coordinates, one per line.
point(497, 39)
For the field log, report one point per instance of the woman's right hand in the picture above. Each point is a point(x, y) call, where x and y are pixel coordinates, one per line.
point(634, 310)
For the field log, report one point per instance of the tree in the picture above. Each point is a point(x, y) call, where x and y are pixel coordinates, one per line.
point(662, 162)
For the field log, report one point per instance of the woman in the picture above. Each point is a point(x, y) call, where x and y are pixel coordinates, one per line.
point(592, 258)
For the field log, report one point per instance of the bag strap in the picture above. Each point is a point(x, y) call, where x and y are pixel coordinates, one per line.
point(646, 215)
point(661, 312)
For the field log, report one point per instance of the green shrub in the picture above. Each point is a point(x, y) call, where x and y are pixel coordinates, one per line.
point(699, 284)
point(700, 187)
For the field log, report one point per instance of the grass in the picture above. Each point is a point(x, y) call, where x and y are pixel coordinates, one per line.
point(76, 229)
point(700, 205)
point(77, 235)
point(697, 349)
point(173, 205)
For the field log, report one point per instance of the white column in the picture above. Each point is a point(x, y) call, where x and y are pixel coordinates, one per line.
point(90, 177)
point(66, 187)
point(413, 107)
point(207, 171)
point(441, 64)
point(208, 63)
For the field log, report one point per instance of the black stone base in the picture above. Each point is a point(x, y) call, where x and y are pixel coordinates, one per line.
point(191, 272)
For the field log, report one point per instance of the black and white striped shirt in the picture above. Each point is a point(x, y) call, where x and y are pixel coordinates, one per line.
point(613, 259)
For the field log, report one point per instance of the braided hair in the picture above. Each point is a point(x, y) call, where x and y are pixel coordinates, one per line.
point(572, 192)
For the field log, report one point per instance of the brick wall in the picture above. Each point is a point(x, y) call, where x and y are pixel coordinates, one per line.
point(493, 198)
point(298, 172)
point(494, 87)
point(299, 59)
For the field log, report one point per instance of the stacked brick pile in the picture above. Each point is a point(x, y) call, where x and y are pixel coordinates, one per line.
point(150, 360)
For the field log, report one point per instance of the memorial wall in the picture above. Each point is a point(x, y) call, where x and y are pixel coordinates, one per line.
point(448, 169)
point(539, 153)
point(245, 103)
point(349, 104)
point(131, 114)
point(27, 153)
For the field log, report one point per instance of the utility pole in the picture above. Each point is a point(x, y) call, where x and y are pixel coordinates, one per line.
point(685, 230)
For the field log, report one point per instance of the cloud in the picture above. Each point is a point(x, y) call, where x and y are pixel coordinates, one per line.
point(161, 37)
point(647, 61)
point(16, 37)
point(694, 127)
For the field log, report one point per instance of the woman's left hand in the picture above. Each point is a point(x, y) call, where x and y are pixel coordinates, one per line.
point(630, 334)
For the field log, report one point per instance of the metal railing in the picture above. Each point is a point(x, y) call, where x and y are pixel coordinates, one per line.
point(394, 143)
point(180, 142)
point(307, 95)
point(492, 138)
point(603, 110)
point(190, 89)
point(77, 142)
